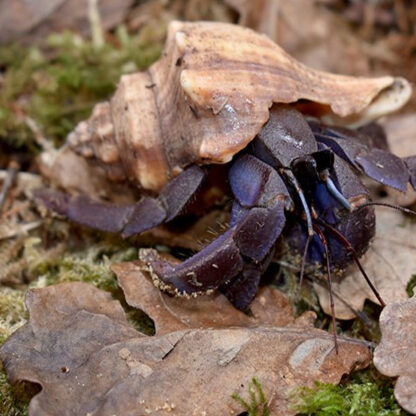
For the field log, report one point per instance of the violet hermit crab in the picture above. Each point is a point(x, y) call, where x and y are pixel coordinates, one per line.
point(292, 140)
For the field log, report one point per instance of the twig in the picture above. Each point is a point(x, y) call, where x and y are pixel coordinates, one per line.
point(19, 230)
point(8, 182)
point(44, 143)
point(97, 34)
point(25, 180)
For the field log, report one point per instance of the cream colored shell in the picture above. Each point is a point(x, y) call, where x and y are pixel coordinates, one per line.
point(207, 98)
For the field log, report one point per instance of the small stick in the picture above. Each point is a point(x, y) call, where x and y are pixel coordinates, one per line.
point(385, 204)
point(44, 143)
point(8, 181)
point(302, 269)
point(97, 34)
point(331, 295)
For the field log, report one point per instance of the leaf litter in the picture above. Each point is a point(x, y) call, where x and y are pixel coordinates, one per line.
point(395, 356)
point(79, 347)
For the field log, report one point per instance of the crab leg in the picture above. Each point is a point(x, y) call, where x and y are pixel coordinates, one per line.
point(377, 163)
point(127, 219)
point(236, 259)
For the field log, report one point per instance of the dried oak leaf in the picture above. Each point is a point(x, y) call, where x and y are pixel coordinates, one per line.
point(396, 354)
point(389, 262)
point(65, 169)
point(270, 307)
point(77, 346)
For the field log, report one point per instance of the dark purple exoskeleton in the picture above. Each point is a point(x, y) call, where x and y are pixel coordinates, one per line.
point(295, 179)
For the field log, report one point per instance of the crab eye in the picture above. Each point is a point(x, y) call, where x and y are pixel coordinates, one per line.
point(324, 159)
point(304, 165)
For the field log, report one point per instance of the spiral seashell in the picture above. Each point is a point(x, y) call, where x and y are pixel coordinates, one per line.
point(209, 95)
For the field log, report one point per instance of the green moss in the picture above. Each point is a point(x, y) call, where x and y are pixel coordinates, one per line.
point(258, 404)
point(14, 400)
point(51, 266)
point(59, 89)
point(139, 320)
point(12, 312)
point(91, 264)
point(367, 394)
point(410, 288)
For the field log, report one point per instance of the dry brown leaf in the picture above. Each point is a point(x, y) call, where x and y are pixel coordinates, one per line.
point(270, 307)
point(396, 354)
point(66, 170)
point(33, 21)
point(400, 130)
point(78, 347)
point(316, 36)
point(389, 262)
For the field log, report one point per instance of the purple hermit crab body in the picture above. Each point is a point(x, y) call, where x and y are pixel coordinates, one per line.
point(203, 104)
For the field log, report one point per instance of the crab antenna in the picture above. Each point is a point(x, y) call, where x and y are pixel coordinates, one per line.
point(331, 295)
point(384, 204)
point(299, 191)
point(302, 267)
point(334, 191)
point(350, 248)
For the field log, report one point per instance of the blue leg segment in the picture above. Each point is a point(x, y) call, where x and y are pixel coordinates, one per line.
point(128, 219)
point(236, 260)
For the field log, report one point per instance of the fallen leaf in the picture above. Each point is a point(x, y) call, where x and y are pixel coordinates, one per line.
point(77, 346)
point(270, 307)
point(316, 37)
point(33, 21)
point(389, 262)
point(396, 354)
point(70, 172)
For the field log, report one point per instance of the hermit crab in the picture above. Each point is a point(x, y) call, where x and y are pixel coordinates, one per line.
point(291, 139)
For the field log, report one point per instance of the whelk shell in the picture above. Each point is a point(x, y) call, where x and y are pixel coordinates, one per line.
point(207, 98)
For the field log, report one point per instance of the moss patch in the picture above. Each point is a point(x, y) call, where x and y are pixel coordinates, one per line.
point(58, 88)
point(12, 311)
point(366, 394)
point(257, 404)
point(410, 288)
